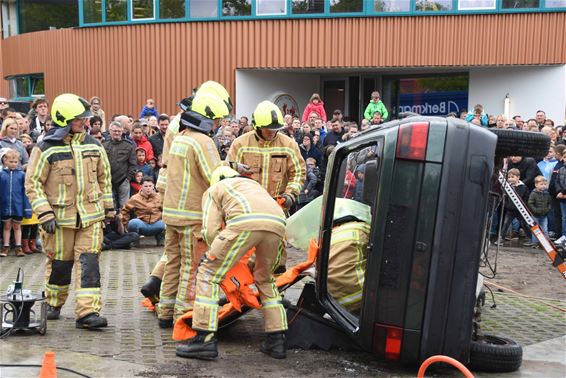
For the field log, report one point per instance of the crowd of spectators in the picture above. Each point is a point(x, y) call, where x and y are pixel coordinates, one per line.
point(135, 145)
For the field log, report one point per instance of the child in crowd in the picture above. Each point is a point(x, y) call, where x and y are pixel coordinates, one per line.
point(30, 226)
point(315, 105)
point(309, 191)
point(141, 165)
point(154, 168)
point(135, 185)
point(539, 204)
point(376, 105)
point(511, 211)
point(480, 117)
point(359, 188)
point(14, 205)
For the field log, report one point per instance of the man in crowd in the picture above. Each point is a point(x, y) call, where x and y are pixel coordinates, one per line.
point(122, 156)
point(335, 136)
point(71, 219)
point(37, 123)
point(158, 138)
point(142, 213)
point(540, 117)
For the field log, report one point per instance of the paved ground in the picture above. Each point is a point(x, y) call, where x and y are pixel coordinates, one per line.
point(133, 345)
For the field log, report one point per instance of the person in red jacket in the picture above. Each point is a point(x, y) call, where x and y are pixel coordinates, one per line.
point(315, 105)
point(141, 142)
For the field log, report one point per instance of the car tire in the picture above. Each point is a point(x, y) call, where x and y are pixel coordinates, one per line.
point(521, 143)
point(495, 354)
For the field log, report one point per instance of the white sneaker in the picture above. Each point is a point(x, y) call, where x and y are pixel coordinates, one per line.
point(560, 240)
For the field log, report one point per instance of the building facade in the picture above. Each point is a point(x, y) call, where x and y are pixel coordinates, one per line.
point(431, 57)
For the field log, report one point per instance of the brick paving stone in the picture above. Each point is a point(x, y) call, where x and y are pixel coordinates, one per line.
point(133, 334)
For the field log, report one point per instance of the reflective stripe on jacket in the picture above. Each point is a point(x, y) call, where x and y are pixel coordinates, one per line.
point(243, 205)
point(70, 178)
point(347, 263)
point(277, 165)
point(190, 162)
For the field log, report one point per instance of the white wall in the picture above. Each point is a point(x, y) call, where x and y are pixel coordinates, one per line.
point(530, 89)
point(254, 86)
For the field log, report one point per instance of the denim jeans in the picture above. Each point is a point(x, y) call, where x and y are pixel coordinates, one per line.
point(543, 223)
point(142, 228)
point(563, 210)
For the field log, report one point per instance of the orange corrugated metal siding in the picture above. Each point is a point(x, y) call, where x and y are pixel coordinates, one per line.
point(126, 64)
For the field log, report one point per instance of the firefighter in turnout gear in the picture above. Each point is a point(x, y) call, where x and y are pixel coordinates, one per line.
point(190, 163)
point(347, 263)
point(274, 160)
point(151, 288)
point(252, 219)
point(69, 186)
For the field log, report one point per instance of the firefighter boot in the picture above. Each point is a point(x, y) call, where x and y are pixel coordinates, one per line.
point(151, 289)
point(91, 321)
point(202, 346)
point(53, 313)
point(275, 345)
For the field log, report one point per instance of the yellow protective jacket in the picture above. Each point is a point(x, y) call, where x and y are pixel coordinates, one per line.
point(347, 263)
point(190, 162)
point(172, 131)
point(277, 164)
point(69, 180)
point(145, 208)
point(243, 205)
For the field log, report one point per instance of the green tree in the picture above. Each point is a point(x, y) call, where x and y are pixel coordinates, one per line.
point(236, 7)
point(171, 8)
point(36, 16)
point(343, 6)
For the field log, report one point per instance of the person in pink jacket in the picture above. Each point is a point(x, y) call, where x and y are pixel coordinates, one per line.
point(315, 105)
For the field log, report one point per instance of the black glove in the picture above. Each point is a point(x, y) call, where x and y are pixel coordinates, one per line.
point(289, 200)
point(49, 226)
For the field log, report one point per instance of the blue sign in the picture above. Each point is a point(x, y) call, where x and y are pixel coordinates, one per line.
point(434, 104)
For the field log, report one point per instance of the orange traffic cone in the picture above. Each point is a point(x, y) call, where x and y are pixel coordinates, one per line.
point(48, 368)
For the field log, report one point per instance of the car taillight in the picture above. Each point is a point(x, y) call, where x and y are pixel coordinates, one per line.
point(412, 141)
point(387, 341)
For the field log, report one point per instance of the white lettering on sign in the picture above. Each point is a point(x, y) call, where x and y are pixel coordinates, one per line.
point(443, 107)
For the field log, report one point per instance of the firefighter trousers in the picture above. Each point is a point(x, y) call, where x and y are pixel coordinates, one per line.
point(184, 249)
point(80, 248)
point(226, 250)
point(159, 268)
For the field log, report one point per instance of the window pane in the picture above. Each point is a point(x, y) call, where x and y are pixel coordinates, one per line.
point(438, 5)
point(307, 6)
point(476, 4)
point(21, 86)
point(343, 6)
point(41, 15)
point(171, 8)
point(273, 7)
point(203, 8)
point(116, 10)
point(518, 4)
point(392, 5)
point(555, 3)
point(38, 86)
point(236, 7)
point(92, 11)
point(142, 9)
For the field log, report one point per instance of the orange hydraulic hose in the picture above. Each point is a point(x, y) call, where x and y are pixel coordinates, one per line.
point(449, 360)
